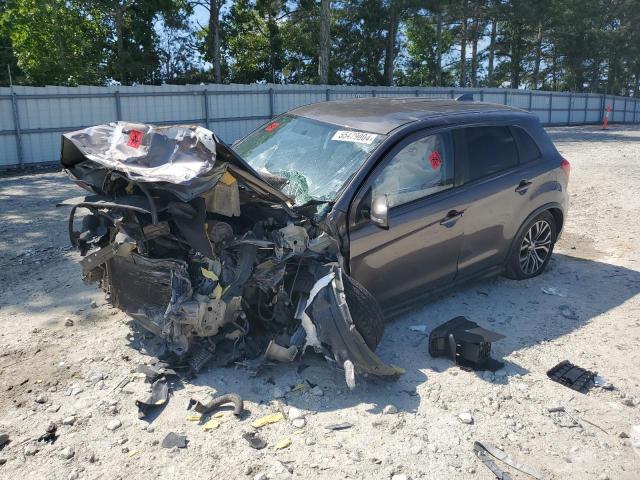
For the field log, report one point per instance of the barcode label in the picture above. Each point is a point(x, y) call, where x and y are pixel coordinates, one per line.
point(354, 137)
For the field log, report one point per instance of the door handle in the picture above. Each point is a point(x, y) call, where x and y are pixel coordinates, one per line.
point(523, 186)
point(451, 216)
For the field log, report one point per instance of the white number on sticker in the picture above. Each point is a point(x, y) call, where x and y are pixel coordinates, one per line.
point(354, 137)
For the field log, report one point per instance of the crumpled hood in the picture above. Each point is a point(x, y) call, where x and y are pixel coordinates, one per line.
point(185, 159)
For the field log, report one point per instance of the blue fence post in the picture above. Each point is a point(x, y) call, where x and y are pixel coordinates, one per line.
point(271, 103)
point(453, 93)
point(550, 107)
point(205, 99)
point(373, 92)
point(569, 113)
point(530, 100)
point(481, 95)
point(417, 93)
point(16, 125)
point(586, 103)
point(327, 94)
point(624, 116)
point(116, 95)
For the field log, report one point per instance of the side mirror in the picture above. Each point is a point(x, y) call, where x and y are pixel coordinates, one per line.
point(380, 211)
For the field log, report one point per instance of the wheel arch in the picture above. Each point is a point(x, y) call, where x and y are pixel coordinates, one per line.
point(554, 208)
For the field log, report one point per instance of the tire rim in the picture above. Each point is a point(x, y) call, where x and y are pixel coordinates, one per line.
point(535, 247)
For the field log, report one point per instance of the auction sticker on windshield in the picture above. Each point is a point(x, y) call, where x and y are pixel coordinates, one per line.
point(354, 137)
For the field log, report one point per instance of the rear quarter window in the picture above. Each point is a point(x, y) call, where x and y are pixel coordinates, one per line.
point(488, 150)
point(527, 148)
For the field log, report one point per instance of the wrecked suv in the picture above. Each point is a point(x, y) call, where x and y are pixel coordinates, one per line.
point(296, 236)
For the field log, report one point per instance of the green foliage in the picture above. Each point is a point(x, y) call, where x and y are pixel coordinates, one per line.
point(55, 42)
point(549, 44)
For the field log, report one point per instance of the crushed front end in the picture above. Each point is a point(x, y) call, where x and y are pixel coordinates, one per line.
point(202, 251)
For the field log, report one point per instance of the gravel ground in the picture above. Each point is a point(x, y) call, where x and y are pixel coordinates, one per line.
point(64, 354)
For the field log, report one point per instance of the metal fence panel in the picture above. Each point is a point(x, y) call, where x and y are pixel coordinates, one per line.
point(32, 118)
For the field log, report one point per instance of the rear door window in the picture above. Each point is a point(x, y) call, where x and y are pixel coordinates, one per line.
point(488, 150)
point(421, 168)
point(527, 148)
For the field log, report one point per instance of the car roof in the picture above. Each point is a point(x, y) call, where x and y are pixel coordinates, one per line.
point(382, 115)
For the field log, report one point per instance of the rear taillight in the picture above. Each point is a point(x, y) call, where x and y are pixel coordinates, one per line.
point(566, 166)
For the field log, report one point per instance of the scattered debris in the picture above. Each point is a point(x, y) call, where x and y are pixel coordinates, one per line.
point(339, 426)
point(602, 383)
point(572, 376)
point(465, 343)
point(418, 328)
point(553, 291)
point(254, 440)
point(281, 444)
point(211, 424)
point(174, 440)
point(158, 398)
point(210, 403)
point(70, 420)
point(50, 436)
point(484, 451)
point(4, 439)
point(68, 322)
point(299, 422)
point(41, 398)
point(273, 418)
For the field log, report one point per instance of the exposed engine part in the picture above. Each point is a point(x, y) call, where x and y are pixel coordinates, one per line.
point(280, 353)
point(293, 237)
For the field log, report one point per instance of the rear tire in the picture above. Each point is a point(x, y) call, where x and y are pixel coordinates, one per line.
point(365, 312)
point(532, 248)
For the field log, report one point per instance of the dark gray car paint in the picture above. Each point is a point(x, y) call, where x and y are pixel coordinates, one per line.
point(417, 255)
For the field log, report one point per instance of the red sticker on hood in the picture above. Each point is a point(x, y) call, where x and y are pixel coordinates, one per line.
point(435, 159)
point(271, 127)
point(135, 138)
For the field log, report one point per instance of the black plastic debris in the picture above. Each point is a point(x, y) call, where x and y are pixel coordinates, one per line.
point(210, 403)
point(339, 426)
point(254, 440)
point(50, 436)
point(4, 439)
point(488, 453)
point(152, 373)
point(572, 376)
point(158, 398)
point(174, 440)
point(466, 343)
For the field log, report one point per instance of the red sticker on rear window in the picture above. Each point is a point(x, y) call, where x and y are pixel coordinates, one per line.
point(271, 127)
point(135, 138)
point(435, 159)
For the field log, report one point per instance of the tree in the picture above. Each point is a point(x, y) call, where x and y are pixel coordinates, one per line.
point(55, 42)
point(324, 44)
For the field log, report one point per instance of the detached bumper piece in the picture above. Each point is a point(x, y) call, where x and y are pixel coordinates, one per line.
point(465, 343)
point(572, 376)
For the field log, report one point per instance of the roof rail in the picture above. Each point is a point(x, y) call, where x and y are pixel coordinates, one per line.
point(465, 97)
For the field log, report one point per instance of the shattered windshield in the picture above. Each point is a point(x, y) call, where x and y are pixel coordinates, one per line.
point(314, 158)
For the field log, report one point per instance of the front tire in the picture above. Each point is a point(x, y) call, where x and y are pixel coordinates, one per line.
point(532, 248)
point(365, 311)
